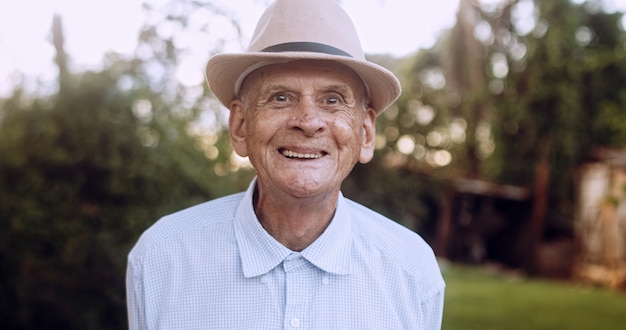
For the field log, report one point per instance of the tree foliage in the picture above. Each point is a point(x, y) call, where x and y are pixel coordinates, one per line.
point(85, 170)
point(82, 174)
point(526, 82)
point(557, 101)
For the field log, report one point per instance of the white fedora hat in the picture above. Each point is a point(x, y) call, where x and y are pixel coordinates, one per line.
point(302, 29)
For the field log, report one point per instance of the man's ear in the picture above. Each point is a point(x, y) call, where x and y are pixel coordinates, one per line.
point(368, 142)
point(237, 128)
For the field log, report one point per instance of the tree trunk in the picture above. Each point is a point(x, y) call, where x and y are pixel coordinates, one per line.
point(540, 205)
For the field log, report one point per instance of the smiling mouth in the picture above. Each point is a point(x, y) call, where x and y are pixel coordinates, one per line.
point(296, 155)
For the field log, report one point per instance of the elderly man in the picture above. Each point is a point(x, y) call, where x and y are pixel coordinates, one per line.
point(290, 252)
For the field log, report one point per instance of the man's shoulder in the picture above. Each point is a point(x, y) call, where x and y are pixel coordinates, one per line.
point(390, 237)
point(378, 226)
point(188, 221)
point(212, 211)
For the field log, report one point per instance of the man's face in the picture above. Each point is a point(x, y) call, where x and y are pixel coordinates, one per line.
point(304, 125)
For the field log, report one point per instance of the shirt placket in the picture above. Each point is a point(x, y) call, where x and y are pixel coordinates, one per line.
point(298, 283)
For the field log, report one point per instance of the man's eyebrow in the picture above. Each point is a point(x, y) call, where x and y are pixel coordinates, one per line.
point(340, 88)
point(273, 89)
point(343, 89)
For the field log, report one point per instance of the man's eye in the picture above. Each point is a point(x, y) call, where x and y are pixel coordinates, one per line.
point(332, 100)
point(280, 98)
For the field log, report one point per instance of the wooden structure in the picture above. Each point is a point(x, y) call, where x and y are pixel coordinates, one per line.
point(601, 220)
point(483, 222)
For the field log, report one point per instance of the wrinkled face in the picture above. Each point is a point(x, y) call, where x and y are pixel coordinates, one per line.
point(304, 125)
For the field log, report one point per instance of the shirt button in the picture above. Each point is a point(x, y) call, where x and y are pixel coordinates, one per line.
point(325, 280)
point(295, 323)
point(264, 279)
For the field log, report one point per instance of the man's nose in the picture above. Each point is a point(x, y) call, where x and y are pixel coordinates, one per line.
point(307, 117)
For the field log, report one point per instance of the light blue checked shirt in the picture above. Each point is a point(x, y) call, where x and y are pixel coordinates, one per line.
point(213, 266)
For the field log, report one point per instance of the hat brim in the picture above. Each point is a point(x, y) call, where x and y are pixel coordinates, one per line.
point(223, 70)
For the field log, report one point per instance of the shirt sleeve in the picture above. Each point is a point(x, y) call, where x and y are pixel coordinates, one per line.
point(432, 311)
point(135, 299)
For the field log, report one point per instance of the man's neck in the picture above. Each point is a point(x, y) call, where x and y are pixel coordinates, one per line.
point(297, 222)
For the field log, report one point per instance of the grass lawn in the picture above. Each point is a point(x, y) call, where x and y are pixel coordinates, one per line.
point(480, 299)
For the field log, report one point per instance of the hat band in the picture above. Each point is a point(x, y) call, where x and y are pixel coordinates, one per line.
point(305, 47)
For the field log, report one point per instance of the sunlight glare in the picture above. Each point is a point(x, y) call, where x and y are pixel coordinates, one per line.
point(406, 144)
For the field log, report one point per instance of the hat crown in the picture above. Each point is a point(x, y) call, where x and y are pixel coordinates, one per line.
point(290, 30)
point(306, 25)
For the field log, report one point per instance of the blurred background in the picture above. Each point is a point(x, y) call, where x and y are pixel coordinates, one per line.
point(506, 150)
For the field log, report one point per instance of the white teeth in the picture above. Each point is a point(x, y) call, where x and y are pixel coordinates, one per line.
point(291, 154)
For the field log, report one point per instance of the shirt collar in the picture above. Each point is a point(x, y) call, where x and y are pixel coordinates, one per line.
point(260, 252)
point(331, 251)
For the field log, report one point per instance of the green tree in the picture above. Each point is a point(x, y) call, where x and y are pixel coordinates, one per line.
point(82, 173)
point(535, 85)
